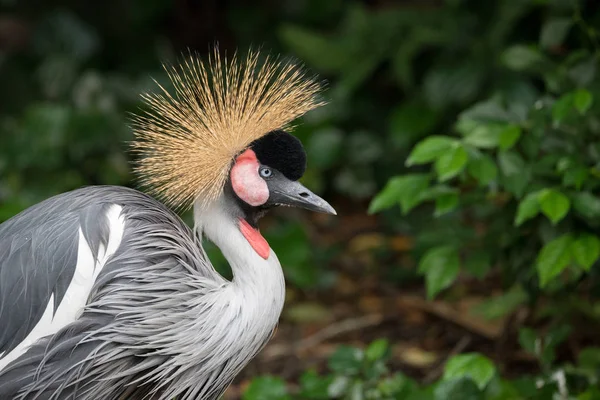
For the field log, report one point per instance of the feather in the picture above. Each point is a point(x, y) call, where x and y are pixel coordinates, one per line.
point(187, 141)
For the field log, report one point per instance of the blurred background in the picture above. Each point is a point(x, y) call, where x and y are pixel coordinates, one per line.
point(460, 147)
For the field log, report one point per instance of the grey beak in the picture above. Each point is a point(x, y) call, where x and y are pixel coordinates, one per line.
point(292, 193)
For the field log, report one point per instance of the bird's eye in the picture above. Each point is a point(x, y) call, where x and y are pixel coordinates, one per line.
point(265, 172)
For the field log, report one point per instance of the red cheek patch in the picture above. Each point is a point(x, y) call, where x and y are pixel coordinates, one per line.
point(256, 240)
point(246, 182)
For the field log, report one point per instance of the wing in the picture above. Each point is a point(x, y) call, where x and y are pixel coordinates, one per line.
point(155, 253)
point(39, 253)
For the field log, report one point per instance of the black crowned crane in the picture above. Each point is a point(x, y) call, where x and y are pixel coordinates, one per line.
point(106, 294)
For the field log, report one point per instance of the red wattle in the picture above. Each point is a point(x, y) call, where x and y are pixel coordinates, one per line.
point(256, 240)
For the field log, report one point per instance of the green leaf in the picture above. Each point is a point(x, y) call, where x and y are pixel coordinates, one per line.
point(475, 366)
point(501, 389)
point(564, 163)
point(453, 389)
point(483, 169)
point(313, 386)
point(554, 204)
point(433, 192)
point(374, 370)
point(515, 173)
point(430, 149)
point(484, 136)
point(509, 136)
point(554, 32)
point(338, 387)
point(356, 391)
point(387, 198)
point(563, 108)
point(451, 163)
point(504, 304)
point(528, 340)
point(575, 177)
point(554, 257)
point(517, 183)
point(445, 203)
point(266, 388)
point(528, 208)
point(412, 186)
point(521, 58)
point(377, 350)
point(586, 204)
point(465, 126)
point(346, 360)
point(397, 386)
point(582, 100)
point(440, 266)
point(406, 190)
point(586, 250)
point(511, 163)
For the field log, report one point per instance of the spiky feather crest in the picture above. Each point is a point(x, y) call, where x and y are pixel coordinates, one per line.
point(187, 142)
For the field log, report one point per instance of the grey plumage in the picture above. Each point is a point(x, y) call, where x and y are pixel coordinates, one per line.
point(141, 332)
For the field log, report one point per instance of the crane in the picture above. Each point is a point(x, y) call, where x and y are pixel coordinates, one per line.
point(105, 293)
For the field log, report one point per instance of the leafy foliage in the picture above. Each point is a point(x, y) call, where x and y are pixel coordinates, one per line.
point(356, 374)
point(522, 155)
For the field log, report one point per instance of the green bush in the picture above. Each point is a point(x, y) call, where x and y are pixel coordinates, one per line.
point(524, 163)
point(516, 180)
point(355, 374)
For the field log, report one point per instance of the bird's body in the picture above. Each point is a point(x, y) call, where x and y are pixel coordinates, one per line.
point(126, 334)
point(106, 294)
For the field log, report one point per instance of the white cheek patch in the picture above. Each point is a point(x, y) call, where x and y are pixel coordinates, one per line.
point(247, 184)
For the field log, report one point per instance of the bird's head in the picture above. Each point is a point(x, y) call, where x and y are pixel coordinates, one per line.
point(224, 133)
point(266, 176)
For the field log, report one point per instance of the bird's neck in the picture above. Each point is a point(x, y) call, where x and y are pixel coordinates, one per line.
point(252, 273)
